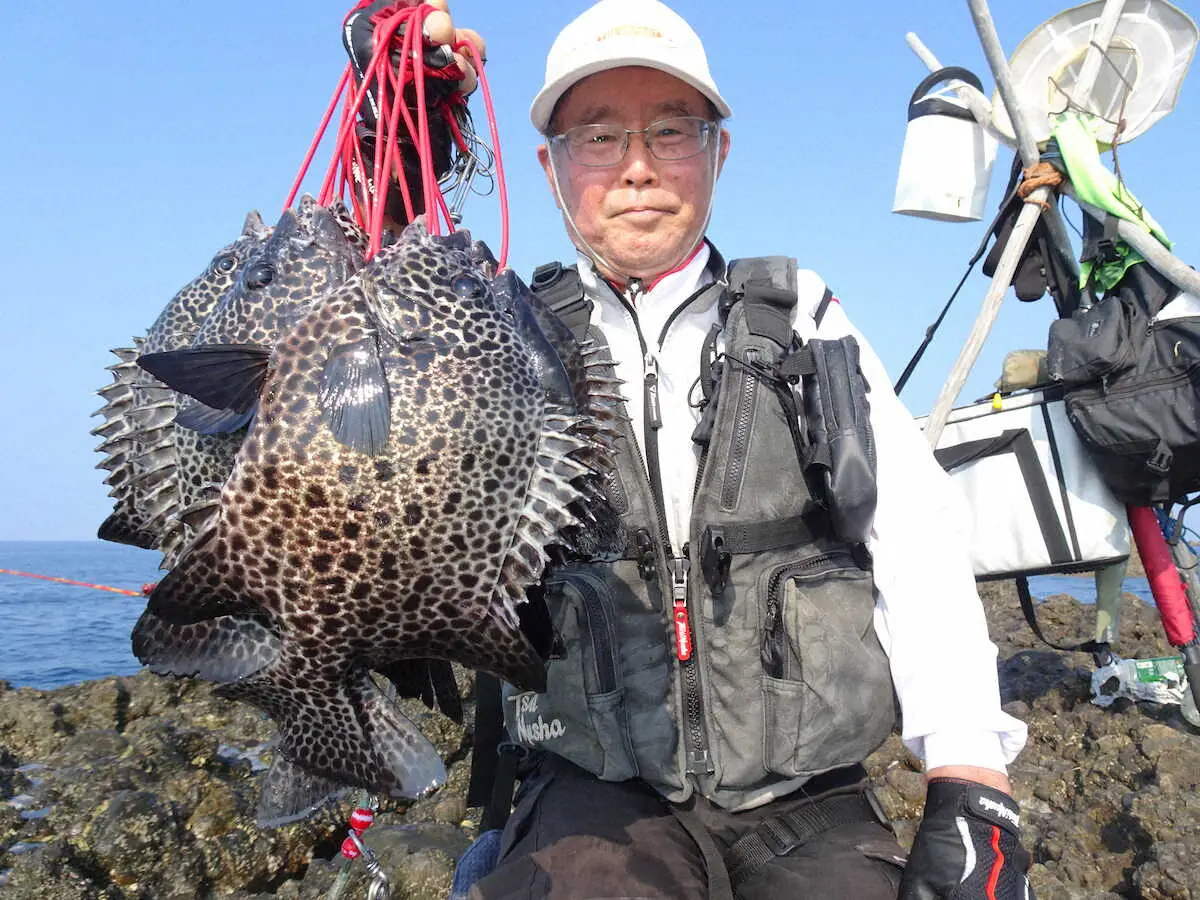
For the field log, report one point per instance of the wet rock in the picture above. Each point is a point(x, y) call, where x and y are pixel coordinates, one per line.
point(128, 838)
point(142, 788)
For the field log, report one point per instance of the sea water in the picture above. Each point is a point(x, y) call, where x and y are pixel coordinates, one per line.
point(53, 634)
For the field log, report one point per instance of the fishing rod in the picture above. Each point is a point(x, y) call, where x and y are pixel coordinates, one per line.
point(146, 588)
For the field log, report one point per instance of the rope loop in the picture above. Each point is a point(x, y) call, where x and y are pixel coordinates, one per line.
point(1041, 175)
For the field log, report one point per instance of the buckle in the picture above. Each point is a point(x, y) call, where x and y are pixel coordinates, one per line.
point(714, 560)
point(1160, 462)
point(511, 748)
point(546, 274)
point(1106, 252)
point(647, 558)
point(779, 838)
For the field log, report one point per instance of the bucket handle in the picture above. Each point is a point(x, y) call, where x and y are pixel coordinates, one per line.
point(935, 105)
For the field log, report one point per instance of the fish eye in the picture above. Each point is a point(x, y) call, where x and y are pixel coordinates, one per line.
point(226, 263)
point(259, 275)
point(468, 287)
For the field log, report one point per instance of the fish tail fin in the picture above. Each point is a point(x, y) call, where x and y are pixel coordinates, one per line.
point(411, 763)
point(350, 734)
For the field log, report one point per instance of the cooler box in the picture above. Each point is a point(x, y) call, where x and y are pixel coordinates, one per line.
point(1037, 503)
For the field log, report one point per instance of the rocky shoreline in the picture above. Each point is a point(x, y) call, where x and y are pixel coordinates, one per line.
point(144, 788)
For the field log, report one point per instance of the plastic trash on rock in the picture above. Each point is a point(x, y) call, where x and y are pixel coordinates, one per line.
point(1157, 680)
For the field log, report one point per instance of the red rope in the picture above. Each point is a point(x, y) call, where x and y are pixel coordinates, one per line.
point(468, 48)
point(398, 31)
point(98, 587)
point(312, 150)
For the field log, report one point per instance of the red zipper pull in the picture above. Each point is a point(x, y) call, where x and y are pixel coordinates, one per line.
point(683, 629)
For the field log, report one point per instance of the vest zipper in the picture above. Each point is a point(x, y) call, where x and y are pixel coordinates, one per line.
point(1085, 396)
point(775, 655)
point(653, 407)
point(697, 758)
point(741, 432)
point(600, 628)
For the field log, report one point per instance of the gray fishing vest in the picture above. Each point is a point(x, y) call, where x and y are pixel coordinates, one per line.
point(750, 664)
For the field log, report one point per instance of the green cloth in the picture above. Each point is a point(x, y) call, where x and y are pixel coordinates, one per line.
point(1096, 185)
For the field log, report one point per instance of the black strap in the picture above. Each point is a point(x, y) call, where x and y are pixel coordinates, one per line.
point(720, 542)
point(766, 287)
point(774, 534)
point(489, 733)
point(708, 355)
point(1031, 617)
point(1019, 442)
point(796, 365)
point(779, 835)
point(1009, 193)
point(561, 289)
point(719, 885)
point(509, 757)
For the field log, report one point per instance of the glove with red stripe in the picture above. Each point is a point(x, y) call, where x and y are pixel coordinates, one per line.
point(968, 846)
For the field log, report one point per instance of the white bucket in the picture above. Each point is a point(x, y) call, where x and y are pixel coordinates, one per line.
point(946, 164)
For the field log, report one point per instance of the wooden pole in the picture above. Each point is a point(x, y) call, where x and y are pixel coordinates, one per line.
point(1180, 273)
point(1013, 250)
point(1110, 18)
point(1023, 230)
point(975, 100)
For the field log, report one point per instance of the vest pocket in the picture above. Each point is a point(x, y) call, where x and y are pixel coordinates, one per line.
point(826, 684)
point(582, 715)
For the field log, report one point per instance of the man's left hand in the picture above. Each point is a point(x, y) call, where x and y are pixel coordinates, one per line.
point(968, 846)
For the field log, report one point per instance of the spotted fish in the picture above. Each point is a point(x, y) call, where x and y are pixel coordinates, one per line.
point(308, 253)
point(415, 448)
point(141, 444)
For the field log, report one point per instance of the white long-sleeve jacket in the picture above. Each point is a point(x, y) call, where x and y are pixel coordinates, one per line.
point(928, 614)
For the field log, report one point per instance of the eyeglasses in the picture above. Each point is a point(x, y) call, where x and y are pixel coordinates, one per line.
point(671, 139)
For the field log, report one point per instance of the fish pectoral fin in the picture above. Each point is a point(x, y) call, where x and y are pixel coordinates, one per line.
point(194, 415)
point(181, 597)
point(223, 376)
point(355, 397)
point(221, 649)
point(122, 528)
point(289, 793)
point(429, 680)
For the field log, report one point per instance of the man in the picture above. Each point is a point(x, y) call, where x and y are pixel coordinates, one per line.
point(703, 732)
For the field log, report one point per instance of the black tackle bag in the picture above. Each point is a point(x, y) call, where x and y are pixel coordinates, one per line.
point(1132, 380)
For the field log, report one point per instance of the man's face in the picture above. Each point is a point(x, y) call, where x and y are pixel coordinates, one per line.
point(642, 215)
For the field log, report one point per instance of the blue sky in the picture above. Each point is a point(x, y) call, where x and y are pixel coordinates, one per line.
point(137, 136)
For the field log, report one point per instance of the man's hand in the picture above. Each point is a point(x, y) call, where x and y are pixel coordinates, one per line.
point(968, 846)
point(439, 28)
point(441, 37)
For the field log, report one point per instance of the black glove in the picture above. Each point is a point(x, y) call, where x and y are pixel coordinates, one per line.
point(968, 846)
point(358, 36)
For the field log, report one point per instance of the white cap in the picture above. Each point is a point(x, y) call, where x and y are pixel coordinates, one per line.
point(615, 33)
